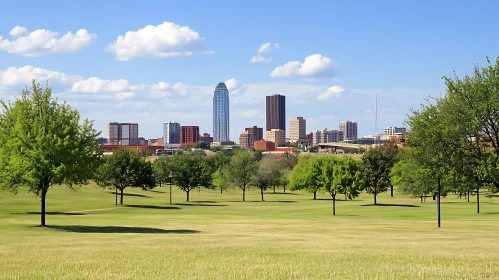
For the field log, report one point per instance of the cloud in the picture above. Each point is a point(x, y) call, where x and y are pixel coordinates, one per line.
point(264, 48)
point(23, 76)
point(314, 66)
point(18, 31)
point(232, 84)
point(161, 41)
point(96, 85)
point(251, 113)
point(334, 91)
point(160, 86)
point(261, 59)
point(180, 88)
point(124, 95)
point(208, 52)
point(45, 42)
point(267, 47)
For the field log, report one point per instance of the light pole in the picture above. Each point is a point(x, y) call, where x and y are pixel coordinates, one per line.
point(171, 177)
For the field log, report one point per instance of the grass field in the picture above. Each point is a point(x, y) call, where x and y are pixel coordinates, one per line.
point(290, 236)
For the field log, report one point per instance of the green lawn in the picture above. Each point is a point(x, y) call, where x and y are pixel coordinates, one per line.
point(290, 236)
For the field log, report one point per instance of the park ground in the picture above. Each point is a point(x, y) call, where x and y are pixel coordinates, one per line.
point(216, 236)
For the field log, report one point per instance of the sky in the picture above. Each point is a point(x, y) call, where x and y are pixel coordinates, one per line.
point(151, 62)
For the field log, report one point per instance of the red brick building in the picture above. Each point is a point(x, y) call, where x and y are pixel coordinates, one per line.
point(206, 138)
point(189, 136)
point(264, 145)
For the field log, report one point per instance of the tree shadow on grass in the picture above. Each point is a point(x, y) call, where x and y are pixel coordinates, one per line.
point(394, 205)
point(200, 204)
point(491, 213)
point(288, 193)
point(155, 191)
point(338, 199)
point(50, 213)
point(280, 201)
point(118, 229)
point(131, 194)
point(492, 195)
point(205, 201)
point(154, 207)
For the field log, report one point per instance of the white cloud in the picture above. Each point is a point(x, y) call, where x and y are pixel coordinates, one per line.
point(267, 47)
point(124, 95)
point(96, 85)
point(160, 86)
point(251, 113)
point(261, 59)
point(264, 48)
point(45, 42)
point(18, 31)
point(161, 41)
point(314, 66)
point(232, 84)
point(334, 91)
point(180, 88)
point(23, 76)
point(208, 52)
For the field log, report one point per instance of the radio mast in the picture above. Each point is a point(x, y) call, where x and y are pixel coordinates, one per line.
point(376, 120)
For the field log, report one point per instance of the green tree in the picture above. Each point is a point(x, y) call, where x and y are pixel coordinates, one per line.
point(306, 175)
point(221, 179)
point(162, 169)
point(341, 176)
point(264, 177)
point(376, 168)
point(123, 169)
point(43, 143)
point(413, 179)
point(242, 167)
point(191, 171)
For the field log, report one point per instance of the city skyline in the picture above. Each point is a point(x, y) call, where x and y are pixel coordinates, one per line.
point(328, 71)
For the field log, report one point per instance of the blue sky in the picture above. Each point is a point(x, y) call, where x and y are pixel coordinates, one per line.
point(330, 60)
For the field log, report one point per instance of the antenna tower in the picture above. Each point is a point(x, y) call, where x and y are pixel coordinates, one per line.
point(376, 120)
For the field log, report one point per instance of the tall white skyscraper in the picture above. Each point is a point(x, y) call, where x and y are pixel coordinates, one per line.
point(221, 114)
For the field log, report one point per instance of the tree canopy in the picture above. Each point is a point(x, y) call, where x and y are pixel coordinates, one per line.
point(43, 143)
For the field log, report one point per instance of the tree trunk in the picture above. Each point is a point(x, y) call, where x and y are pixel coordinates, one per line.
point(284, 189)
point(221, 190)
point(315, 195)
point(478, 200)
point(334, 203)
point(274, 189)
point(187, 192)
point(391, 190)
point(44, 195)
point(116, 194)
point(421, 199)
point(244, 194)
point(121, 199)
point(468, 196)
point(375, 194)
point(261, 190)
point(160, 184)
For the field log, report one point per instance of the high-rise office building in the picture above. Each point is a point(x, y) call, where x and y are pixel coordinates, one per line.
point(277, 136)
point(221, 113)
point(255, 132)
point(349, 129)
point(246, 141)
point(297, 129)
point(326, 136)
point(276, 112)
point(189, 135)
point(126, 134)
point(171, 133)
point(393, 130)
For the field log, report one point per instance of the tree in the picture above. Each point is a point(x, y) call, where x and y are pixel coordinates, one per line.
point(43, 143)
point(258, 155)
point(306, 175)
point(162, 169)
point(221, 178)
point(376, 167)
point(191, 171)
point(242, 167)
point(314, 149)
point(412, 178)
point(123, 169)
point(263, 177)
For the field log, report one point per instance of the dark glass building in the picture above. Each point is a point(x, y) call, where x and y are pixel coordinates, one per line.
point(276, 112)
